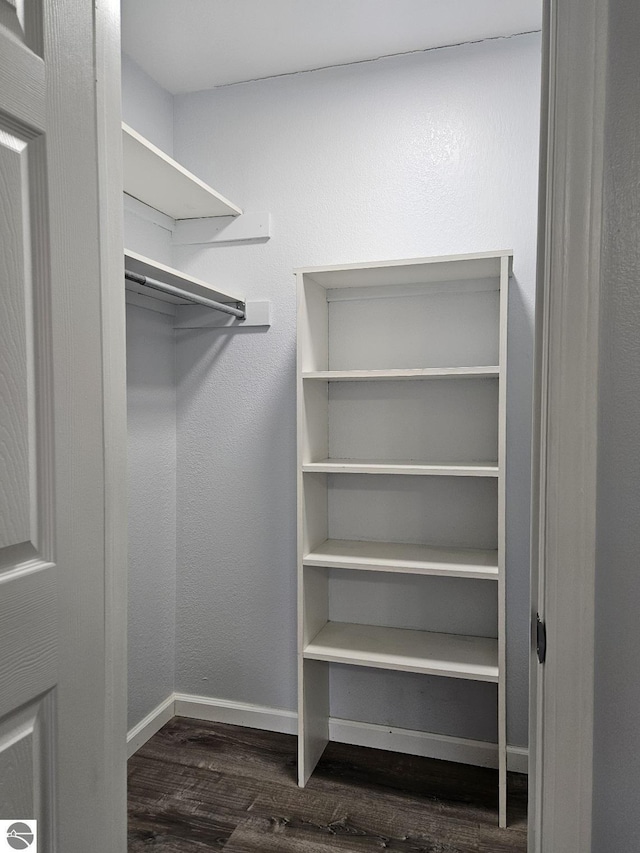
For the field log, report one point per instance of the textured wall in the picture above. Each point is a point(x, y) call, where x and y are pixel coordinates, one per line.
point(433, 153)
point(151, 419)
point(152, 509)
point(146, 106)
point(616, 819)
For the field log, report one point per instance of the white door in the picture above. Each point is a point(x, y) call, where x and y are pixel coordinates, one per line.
point(62, 730)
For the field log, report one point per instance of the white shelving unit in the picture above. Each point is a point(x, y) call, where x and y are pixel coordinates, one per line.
point(158, 180)
point(401, 371)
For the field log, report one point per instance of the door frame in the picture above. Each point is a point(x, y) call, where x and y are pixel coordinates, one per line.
point(566, 423)
point(565, 414)
point(107, 47)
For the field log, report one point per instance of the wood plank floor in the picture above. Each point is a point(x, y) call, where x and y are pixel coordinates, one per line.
point(198, 786)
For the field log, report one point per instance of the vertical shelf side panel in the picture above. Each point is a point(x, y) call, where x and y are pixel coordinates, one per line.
point(314, 516)
point(312, 425)
point(315, 425)
point(313, 325)
point(502, 457)
point(315, 675)
point(313, 731)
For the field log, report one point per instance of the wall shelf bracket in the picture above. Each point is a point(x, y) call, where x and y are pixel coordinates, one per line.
point(245, 228)
point(195, 317)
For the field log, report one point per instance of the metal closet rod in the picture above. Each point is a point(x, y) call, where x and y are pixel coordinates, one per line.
point(191, 297)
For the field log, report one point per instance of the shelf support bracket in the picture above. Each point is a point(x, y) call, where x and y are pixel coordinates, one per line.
point(246, 228)
point(194, 317)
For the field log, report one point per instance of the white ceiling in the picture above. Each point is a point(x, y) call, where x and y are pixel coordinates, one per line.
point(198, 44)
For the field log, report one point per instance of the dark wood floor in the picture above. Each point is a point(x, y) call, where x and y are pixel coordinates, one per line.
point(199, 786)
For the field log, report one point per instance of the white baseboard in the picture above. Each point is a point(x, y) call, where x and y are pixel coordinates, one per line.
point(236, 713)
point(475, 752)
point(518, 759)
point(151, 724)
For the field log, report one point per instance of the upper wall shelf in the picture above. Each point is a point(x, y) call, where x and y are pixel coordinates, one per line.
point(157, 180)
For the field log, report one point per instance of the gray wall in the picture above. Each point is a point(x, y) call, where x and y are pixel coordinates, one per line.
point(151, 419)
point(146, 106)
point(433, 153)
point(616, 817)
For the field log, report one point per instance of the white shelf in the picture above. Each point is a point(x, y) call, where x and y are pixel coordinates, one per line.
point(450, 655)
point(156, 179)
point(405, 558)
point(450, 268)
point(362, 466)
point(413, 373)
point(154, 269)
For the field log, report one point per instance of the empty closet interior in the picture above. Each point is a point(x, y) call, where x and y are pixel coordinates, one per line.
point(336, 465)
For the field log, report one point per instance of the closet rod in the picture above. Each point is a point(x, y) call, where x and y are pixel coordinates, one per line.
point(191, 297)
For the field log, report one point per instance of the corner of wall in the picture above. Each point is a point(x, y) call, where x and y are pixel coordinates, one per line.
point(146, 106)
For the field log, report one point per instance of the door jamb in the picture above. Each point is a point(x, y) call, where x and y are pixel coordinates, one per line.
point(566, 422)
point(109, 156)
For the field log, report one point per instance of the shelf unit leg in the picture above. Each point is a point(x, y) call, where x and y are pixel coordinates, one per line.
point(313, 716)
point(502, 755)
point(502, 599)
